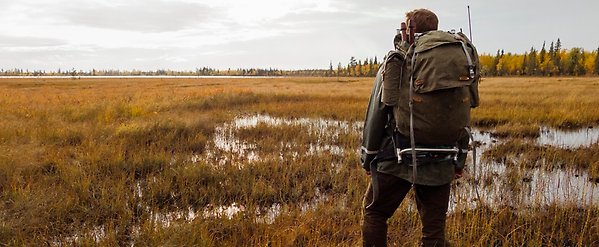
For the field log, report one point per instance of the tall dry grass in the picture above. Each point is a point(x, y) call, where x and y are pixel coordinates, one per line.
point(132, 161)
point(557, 102)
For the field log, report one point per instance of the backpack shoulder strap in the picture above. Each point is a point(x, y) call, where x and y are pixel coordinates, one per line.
point(474, 66)
point(471, 66)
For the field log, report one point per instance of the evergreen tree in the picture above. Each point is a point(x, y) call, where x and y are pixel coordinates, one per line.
point(493, 67)
point(358, 68)
point(573, 63)
point(551, 51)
point(581, 68)
point(352, 62)
point(557, 59)
point(366, 68)
point(542, 53)
point(532, 67)
point(542, 58)
point(330, 72)
point(579, 62)
point(524, 69)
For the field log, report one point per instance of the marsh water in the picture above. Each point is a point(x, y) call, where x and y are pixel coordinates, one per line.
point(583, 137)
point(489, 183)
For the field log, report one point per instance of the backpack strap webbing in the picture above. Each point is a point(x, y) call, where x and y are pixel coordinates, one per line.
point(411, 106)
point(468, 57)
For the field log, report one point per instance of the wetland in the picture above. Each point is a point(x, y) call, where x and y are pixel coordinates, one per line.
point(275, 161)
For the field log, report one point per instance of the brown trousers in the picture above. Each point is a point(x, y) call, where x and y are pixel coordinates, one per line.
point(432, 203)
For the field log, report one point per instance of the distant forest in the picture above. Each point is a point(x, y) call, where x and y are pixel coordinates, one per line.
point(551, 61)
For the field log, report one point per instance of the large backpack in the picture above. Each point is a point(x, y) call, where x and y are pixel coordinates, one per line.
point(439, 75)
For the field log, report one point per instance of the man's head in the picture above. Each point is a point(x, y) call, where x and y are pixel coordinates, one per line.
point(424, 20)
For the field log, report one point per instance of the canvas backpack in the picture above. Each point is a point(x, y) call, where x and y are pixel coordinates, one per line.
point(439, 76)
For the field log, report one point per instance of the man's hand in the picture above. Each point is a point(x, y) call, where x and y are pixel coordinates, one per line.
point(366, 159)
point(459, 173)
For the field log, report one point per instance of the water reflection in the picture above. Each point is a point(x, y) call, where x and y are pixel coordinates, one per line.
point(496, 183)
point(518, 187)
point(266, 215)
point(225, 139)
point(568, 138)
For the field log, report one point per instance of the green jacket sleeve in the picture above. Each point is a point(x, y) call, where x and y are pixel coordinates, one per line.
point(377, 116)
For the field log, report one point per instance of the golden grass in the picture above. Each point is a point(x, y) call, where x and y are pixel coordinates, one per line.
point(518, 130)
point(97, 161)
point(558, 102)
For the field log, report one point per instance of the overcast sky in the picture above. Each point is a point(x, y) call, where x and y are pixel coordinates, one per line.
point(284, 34)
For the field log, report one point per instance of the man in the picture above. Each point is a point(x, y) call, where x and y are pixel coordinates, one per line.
point(392, 181)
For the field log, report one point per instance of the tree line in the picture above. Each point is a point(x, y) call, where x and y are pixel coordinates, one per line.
point(354, 68)
point(551, 61)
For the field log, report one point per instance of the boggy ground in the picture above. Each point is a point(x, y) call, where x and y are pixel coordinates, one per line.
point(136, 161)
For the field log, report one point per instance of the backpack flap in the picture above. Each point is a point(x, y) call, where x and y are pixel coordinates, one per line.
point(440, 63)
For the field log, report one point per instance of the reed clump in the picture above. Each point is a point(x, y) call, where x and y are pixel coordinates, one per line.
point(516, 131)
point(508, 226)
point(531, 155)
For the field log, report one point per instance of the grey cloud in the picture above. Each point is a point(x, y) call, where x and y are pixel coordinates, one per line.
point(38, 59)
point(142, 16)
point(308, 50)
point(20, 41)
point(338, 25)
point(288, 53)
point(7, 3)
point(380, 7)
point(353, 14)
point(308, 38)
point(89, 57)
point(319, 18)
point(452, 14)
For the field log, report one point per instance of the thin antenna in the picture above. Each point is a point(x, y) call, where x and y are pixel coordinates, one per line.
point(470, 24)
